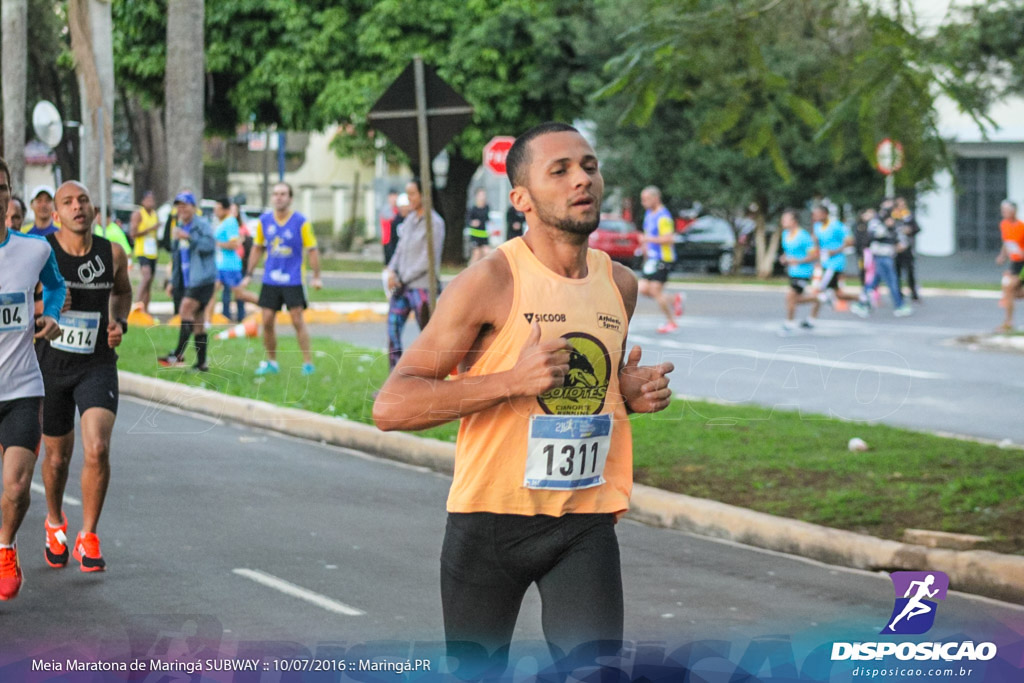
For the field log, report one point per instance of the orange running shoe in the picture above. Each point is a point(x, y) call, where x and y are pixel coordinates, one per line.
point(10, 574)
point(57, 543)
point(87, 551)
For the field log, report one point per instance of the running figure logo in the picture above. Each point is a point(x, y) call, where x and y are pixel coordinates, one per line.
point(916, 592)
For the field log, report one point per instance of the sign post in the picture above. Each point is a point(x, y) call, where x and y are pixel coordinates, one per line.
point(421, 113)
point(889, 154)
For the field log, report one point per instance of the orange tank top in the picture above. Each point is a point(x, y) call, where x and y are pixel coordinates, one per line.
point(552, 454)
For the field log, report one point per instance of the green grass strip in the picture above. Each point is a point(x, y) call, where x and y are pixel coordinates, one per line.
point(781, 462)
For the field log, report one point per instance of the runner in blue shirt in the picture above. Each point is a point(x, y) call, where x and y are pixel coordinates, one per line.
point(799, 256)
point(229, 262)
point(832, 237)
point(659, 240)
point(287, 237)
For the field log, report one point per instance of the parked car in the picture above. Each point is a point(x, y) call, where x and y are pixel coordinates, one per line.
point(706, 244)
point(619, 239)
point(710, 244)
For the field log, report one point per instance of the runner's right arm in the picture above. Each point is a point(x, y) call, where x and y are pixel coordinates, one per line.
point(418, 395)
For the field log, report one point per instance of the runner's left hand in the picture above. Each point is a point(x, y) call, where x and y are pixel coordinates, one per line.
point(645, 388)
point(318, 283)
point(49, 329)
point(114, 334)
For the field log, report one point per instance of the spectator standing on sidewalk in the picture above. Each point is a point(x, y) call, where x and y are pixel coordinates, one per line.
point(476, 220)
point(408, 273)
point(906, 231)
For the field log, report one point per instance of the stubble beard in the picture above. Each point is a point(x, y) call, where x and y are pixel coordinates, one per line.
point(577, 230)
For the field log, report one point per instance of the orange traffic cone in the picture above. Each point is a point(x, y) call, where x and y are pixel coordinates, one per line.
point(139, 318)
point(247, 328)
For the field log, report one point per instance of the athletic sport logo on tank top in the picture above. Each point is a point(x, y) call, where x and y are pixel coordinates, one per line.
point(586, 384)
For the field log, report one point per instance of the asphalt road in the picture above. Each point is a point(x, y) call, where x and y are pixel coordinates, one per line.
point(909, 372)
point(200, 514)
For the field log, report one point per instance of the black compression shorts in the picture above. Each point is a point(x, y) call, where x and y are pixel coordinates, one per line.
point(489, 560)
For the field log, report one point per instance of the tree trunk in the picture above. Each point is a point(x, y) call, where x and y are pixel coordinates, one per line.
point(15, 75)
point(53, 88)
point(91, 28)
point(183, 86)
point(452, 206)
point(149, 146)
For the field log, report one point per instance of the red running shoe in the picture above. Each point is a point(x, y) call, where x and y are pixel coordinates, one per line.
point(57, 543)
point(10, 574)
point(87, 551)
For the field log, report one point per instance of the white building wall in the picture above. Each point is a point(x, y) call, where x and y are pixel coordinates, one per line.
point(937, 209)
point(1015, 176)
point(936, 213)
point(321, 171)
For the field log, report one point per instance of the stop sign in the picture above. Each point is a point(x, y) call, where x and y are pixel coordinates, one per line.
point(889, 154)
point(495, 152)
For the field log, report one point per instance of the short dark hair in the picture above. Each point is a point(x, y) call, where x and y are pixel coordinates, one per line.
point(16, 199)
point(7, 171)
point(291, 192)
point(224, 202)
point(419, 185)
point(518, 157)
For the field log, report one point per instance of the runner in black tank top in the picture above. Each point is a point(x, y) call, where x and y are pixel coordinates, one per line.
point(80, 371)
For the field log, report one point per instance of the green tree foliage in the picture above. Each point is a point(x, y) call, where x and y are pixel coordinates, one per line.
point(305, 65)
point(776, 101)
point(517, 62)
point(984, 47)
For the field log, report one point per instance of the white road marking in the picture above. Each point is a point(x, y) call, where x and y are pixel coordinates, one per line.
point(288, 588)
point(789, 358)
point(70, 500)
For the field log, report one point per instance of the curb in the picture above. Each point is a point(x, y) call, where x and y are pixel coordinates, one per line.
point(995, 575)
point(682, 284)
point(319, 312)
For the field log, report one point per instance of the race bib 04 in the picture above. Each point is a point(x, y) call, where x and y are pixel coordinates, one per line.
point(78, 332)
point(567, 452)
point(15, 311)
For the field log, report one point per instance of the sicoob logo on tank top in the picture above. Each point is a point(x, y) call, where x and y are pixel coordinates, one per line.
point(586, 385)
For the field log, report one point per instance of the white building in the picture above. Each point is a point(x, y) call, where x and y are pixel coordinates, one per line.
point(962, 213)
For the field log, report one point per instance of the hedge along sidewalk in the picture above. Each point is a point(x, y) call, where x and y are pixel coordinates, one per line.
point(343, 385)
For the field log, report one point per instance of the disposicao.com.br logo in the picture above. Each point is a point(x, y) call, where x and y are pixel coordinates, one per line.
point(913, 614)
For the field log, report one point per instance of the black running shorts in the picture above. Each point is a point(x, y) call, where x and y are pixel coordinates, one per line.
point(275, 297)
point(830, 282)
point(655, 271)
point(93, 386)
point(19, 423)
point(202, 294)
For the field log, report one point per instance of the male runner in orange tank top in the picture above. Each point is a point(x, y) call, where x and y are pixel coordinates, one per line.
point(543, 464)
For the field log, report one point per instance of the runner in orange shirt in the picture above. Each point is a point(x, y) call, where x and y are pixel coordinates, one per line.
point(543, 464)
point(1012, 254)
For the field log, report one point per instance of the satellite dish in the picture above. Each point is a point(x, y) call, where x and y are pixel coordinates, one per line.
point(47, 123)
